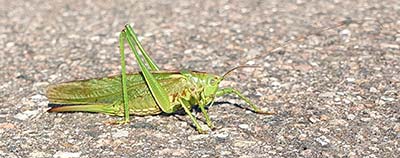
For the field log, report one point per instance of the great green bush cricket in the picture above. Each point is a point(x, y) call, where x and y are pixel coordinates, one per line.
point(148, 92)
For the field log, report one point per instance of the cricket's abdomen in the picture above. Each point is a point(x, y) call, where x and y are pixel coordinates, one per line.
point(107, 92)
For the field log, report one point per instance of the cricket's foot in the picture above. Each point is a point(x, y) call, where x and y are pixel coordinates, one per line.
point(202, 131)
point(212, 127)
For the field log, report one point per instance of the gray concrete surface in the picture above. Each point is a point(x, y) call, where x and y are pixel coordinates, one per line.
point(336, 94)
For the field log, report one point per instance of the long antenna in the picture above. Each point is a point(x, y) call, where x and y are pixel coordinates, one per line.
point(238, 67)
point(347, 21)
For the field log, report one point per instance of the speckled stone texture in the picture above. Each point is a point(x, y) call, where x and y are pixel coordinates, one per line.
point(335, 93)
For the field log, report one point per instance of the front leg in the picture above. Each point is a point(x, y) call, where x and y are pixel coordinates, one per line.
point(202, 102)
point(186, 107)
point(204, 111)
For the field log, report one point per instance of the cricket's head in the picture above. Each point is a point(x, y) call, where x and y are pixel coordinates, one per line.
point(211, 82)
point(211, 85)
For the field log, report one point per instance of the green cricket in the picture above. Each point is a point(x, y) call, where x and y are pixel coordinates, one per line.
point(148, 92)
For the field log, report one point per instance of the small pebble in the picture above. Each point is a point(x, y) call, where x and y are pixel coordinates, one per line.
point(350, 80)
point(345, 35)
point(197, 136)
point(7, 126)
point(244, 126)
point(61, 154)
point(120, 133)
point(243, 143)
point(374, 149)
point(366, 119)
point(387, 98)
point(21, 116)
point(338, 122)
point(38, 154)
point(26, 114)
point(276, 84)
point(351, 117)
point(323, 140)
point(380, 102)
point(302, 136)
point(373, 90)
point(327, 95)
point(346, 101)
point(323, 117)
point(225, 152)
point(390, 46)
point(10, 44)
point(313, 119)
point(222, 135)
point(38, 97)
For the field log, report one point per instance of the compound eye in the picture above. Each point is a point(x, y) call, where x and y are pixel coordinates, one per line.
point(212, 81)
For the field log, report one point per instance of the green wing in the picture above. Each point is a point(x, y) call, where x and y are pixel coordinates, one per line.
point(92, 91)
point(108, 90)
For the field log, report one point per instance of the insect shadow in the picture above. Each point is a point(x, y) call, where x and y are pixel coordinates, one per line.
point(180, 112)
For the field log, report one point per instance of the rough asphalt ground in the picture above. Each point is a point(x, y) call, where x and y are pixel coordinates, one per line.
point(336, 93)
